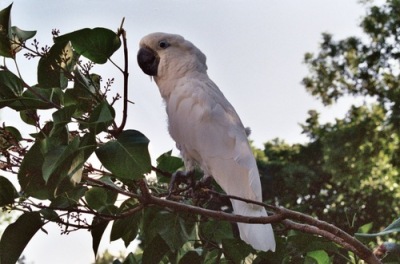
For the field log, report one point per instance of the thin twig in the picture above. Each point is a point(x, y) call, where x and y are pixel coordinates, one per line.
point(163, 173)
point(103, 216)
point(99, 183)
point(40, 96)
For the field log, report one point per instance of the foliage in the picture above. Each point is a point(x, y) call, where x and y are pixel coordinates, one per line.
point(82, 170)
point(361, 68)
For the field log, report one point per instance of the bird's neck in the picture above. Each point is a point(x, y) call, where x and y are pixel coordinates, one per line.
point(165, 86)
point(168, 85)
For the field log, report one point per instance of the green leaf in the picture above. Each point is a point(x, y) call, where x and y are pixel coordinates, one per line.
point(88, 145)
point(148, 232)
point(17, 235)
point(365, 228)
point(52, 138)
point(29, 116)
point(100, 199)
point(236, 250)
point(11, 87)
point(16, 135)
point(19, 36)
point(392, 228)
point(9, 136)
point(127, 227)
point(320, 257)
point(155, 251)
point(87, 85)
point(168, 163)
point(174, 228)
point(97, 231)
point(54, 66)
point(48, 160)
point(49, 214)
point(5, 21)
point(30, 174)
point(127, 157)
point(11, 37)
point(84, 95)
point(30, 99)
point(96, 44)
point(59, 157)
point(307, 243)
point(69, 198)
point(7, 191)
point(215, 231)
point(63, 116)
point(100, 119)
point(23, 35)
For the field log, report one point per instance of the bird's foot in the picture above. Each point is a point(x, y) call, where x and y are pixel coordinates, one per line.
point(179, 177)
point(204, 183)
point(201, 190)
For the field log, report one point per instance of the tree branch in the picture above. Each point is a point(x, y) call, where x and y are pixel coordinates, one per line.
point(350, 244)
point(290, 219)
point(282, 215)
point(125, 72)
point(362, 250)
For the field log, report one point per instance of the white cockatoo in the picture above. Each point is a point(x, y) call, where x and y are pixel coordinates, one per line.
point(205, 126)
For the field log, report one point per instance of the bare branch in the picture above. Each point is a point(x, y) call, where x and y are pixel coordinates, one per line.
point(125, 72)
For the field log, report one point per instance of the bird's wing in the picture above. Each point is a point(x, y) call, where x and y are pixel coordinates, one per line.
point(208, 130)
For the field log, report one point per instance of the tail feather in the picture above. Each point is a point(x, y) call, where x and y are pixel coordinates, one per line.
point(259, 236)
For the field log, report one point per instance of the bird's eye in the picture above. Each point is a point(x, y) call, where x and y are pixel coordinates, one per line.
point(163, 44)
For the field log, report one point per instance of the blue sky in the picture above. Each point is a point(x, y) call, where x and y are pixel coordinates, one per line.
point(254, 52)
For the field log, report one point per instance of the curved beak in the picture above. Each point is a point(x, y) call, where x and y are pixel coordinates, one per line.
point(148, 61)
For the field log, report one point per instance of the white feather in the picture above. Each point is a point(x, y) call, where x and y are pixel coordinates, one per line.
point(208, 131)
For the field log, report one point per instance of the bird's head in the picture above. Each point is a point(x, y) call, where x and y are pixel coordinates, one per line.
point(166, 56)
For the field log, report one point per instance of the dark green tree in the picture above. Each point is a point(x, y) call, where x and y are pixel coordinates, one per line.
point(345, 175)
point(362, 149)
point(349, 172)
point(366, 66)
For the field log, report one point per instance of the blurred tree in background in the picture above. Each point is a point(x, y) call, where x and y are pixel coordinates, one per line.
point(348, 173)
